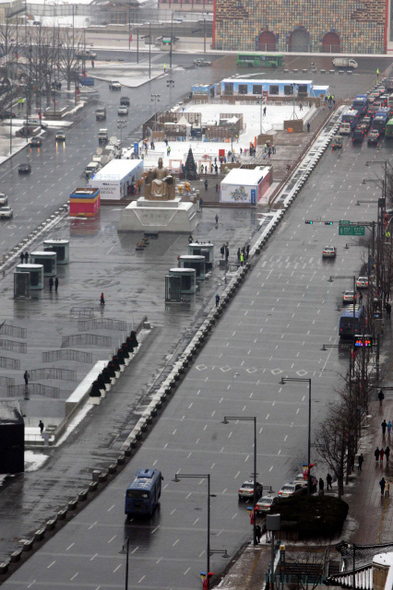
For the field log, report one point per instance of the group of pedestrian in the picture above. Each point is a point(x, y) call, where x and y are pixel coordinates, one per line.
point(379, 454)
point(386, 426)
point(385, 487)
point(24, 257)
point(330, 99)
point(53, 283)
point(243, 254)
point(224, 250)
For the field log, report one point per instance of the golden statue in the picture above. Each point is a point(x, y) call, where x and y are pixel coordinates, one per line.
point(159, 185)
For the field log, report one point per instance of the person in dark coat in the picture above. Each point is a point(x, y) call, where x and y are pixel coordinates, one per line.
point(41, 426)
point(360, 461)
point(102, 299)
point(384, 426)
point(387, 454)
point(26, 257)
point(56, 284)
point(321, 486)
point(50, 284)
point(329, 480)
point(382, 484)
point(22, 258)
point(376, 454)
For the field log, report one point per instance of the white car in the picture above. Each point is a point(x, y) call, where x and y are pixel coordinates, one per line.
point(291, 489)
point(114, 85)
point(122, 110)
point(3, 199)
point(6, 212)
point(329, 252)
point(265, 503)
point(246, 490)
point(362, 283)
point(349, 296)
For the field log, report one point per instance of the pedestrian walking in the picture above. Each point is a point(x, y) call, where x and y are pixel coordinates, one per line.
point(222, 251)
point(56, 283)
point(216, 168)
point(216, 187)
point(226, 253)
point(50, 284)
point(384, 426)
point(26, 378)
point(241, 258)
point(388, 308)
point(387, 454)
point(26, 257)
point(216, 218)
point(360, 461)
point(308, 127)
point(41, 426)
point(381, 454)
point(389, 427)
point(329, 480)
point(376, 454)
point(248, 251)
point(382, 484)
point(206, 185)
point(264, 111)
point(202, 168)
point(22, 258)
point(238, 254)
point(381, 397)
point(92, 63)
point(217, 300)
point(190, 239)
point(102, 299)
point(321, 486)
point(258, 533)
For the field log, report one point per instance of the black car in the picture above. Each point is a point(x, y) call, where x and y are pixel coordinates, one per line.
point(24, 168)
point(36, 142)
point(7, 115)
point(124, 101)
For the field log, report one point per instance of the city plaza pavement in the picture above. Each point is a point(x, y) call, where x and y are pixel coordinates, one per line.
point(87, 275)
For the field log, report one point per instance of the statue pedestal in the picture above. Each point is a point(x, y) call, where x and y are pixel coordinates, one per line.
point(160, 216)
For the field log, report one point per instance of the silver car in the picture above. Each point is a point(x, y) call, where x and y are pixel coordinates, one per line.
point(3, 199)
point(6, 213)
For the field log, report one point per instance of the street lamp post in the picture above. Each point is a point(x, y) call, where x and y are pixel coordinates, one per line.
point(178, 478)
point(301, 380)
point(155, 98)
point(121, 125)
point(170, 84)
point(228, 419)
point(125, 550)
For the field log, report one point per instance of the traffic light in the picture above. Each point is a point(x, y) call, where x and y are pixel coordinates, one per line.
point(328, 222)
point(309, 222)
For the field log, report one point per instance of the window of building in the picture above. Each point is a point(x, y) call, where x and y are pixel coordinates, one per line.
point(288, 90)
point(243, 89)
point(274, 89)
point(302, 89)
point(228, 88)
point(257, 89)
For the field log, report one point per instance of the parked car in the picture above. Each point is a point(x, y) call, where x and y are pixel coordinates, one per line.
point(329, 252)
point(304, 482)
point(24, 168)
point(349, 296)
point(122, 111)
point(337, 143)
point(246, 490)
point(125, 101)
point(36, 142)
point(85, 54)
point(265, 503)
point(6, 213)
point(7, 115)
point(114, 85)
point(362, 283)
point(3, 199)
point(292, 489)
point(60, 137)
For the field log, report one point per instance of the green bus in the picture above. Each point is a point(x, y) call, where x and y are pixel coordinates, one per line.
point(258, 59)
point(389, 129)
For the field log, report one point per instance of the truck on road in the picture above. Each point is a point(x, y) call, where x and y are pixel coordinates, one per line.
point(345, 62)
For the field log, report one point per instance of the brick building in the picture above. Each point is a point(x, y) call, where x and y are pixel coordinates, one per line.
point(332, 26)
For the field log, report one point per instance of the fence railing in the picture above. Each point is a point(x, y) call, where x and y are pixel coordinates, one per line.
point(86, 339)
point(65, 355)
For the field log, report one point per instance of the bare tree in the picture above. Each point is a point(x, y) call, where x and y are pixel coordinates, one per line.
point(68, 64)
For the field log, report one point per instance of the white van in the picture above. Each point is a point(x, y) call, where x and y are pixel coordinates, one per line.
point(92, 168)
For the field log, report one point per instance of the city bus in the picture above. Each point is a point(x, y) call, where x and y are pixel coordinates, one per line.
point(143, 493)
point(258, 59)
point(380, 119)
point(389, 129)
point(350, 116)
point(360, 103)
point(351, 321)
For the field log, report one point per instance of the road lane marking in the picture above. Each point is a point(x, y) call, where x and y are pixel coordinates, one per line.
point(110, 540)
point(194, 523)
point(94, 556)
point(142, 578)
point(116, 568)
point(111, 508)
point(188, 495)
point(175, 543)
point(50, 565)
point(135, 550)
point(74, 576)
point(156, 529)
point(186, 572)
point(69, 546)
point(174, 510)
point(33, 582)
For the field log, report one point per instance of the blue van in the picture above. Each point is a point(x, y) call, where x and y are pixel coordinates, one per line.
point(143, 493)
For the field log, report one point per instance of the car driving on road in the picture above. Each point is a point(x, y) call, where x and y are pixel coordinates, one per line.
point(3, 199)
point(114, 85)
point(362, 283)
point(265, 503)
point(24, 168)
point(373, 137)
point(329, 252)
point(122, 110)
point(36, 142)
point(6, 212)
point(291, 489)
point(60, 137)
point(349, 296)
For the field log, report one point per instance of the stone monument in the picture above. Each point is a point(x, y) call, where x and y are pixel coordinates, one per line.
point(159, 210)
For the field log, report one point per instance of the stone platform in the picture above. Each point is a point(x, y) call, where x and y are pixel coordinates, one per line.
point(164, 216)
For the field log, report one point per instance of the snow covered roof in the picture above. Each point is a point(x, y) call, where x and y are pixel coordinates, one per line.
point(246, 176)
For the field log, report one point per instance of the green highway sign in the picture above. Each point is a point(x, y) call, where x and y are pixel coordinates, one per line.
point(344, 222)
point(352, 230)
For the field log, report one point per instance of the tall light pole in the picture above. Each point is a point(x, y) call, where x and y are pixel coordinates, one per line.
point(228, 419)
point(155, 98)
point(301, 380)
point(125, 551)
point(177, 479)
point(121, 125)
point(170, 84)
